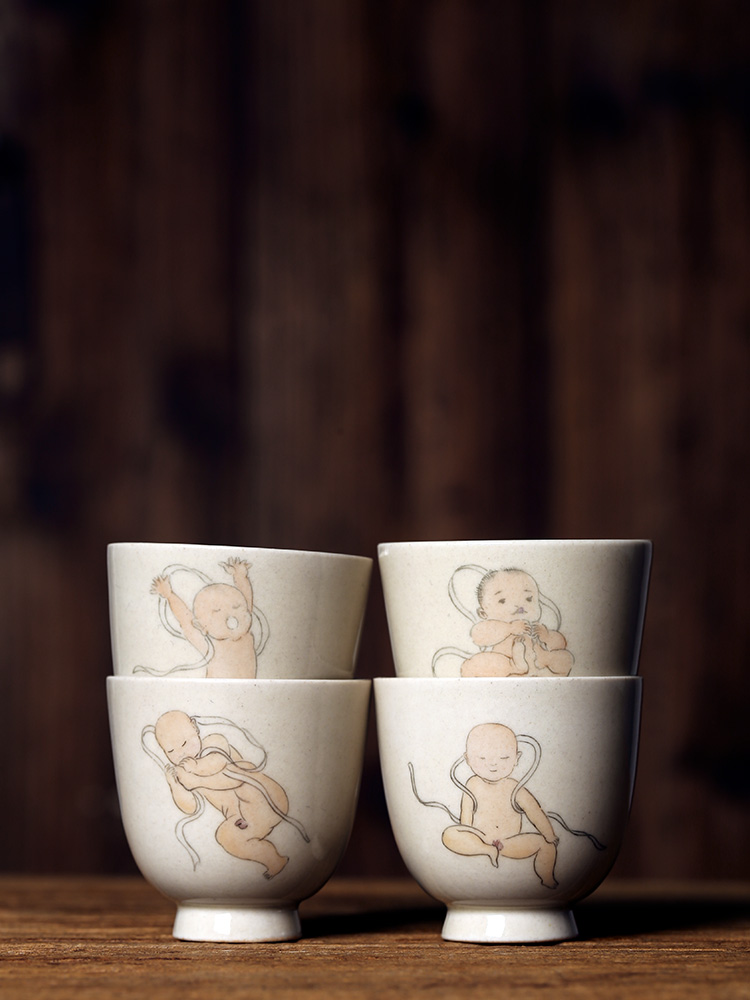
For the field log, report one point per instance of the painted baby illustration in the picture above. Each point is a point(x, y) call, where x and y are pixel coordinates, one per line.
point(493, 805)
point(209, 769)
point(220, 622)
point(498, 815)
point(509, 629)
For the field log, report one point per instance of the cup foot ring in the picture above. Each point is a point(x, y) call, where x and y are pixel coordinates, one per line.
point(235, 923)
point(486, 925)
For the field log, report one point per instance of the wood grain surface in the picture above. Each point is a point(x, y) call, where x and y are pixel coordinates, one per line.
point(102, 938)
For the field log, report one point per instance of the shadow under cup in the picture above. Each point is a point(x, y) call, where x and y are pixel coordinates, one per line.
point(237, 796)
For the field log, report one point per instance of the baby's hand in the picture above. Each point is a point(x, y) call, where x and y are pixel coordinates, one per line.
point(189, 764)
point(236, 566)
point(553, 840)
point(161, 586)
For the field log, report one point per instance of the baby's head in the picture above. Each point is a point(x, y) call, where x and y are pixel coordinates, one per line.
point(492, 751)
point(505, 595)
point(220, 611)
point(177, 734)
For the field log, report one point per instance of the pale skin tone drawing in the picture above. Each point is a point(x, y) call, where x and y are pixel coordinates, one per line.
point(210, 766)
point(219, 624)
point(491, 827)
point(509, 612)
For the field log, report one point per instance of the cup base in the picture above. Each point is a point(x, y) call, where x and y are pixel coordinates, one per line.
point(235, 923)
point(481, 925)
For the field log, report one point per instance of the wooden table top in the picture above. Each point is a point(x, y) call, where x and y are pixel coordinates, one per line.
point(96, 937)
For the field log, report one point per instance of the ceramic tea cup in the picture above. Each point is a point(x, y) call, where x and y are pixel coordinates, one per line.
point(508, 797)
point(237, 796)
point(540, 608)
point(225, 611)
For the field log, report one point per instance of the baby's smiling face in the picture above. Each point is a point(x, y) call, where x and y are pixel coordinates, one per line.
point(221, 611)
point(492, 751)
point(509, 595)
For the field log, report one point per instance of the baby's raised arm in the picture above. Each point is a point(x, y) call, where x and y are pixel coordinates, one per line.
point(239, 570)
point(182, 613)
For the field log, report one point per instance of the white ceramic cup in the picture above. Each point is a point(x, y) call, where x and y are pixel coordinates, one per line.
point(237, 796)
point(508, 797)
point(540, 608)
point(224, 611)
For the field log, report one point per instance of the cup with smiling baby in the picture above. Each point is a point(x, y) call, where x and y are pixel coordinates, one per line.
point(233, 683)
point(508, 738)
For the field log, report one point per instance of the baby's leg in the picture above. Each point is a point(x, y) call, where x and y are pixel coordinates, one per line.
point(557, 661)
point(527, 845)
point(243, 843)
point(464, 840)
point(487, 664)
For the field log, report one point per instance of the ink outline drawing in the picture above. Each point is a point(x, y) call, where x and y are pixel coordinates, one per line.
point(223, 624)
point(507, 626)
point(202, 767)
point(498, 815)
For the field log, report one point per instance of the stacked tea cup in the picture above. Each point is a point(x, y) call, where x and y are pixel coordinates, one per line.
point(237, 730)
point(508, 738)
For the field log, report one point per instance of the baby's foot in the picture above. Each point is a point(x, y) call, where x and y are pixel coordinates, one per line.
point(276, 868)
point(520, 662)
point(529, 654)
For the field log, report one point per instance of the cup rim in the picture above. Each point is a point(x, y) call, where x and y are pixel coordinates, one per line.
point(494, 681)
point(204, 547)
point(383, 547)
point(251, 682)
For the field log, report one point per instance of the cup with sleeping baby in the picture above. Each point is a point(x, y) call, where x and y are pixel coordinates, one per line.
point(237, 728)
point(237, 795)
point(523, 656)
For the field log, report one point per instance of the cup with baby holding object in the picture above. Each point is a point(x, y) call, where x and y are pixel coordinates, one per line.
point(533, 608)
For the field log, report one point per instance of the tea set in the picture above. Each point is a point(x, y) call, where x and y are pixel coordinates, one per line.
point(508, 738)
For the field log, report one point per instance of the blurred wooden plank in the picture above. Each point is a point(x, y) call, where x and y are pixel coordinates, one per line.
point(316, 366)
point(464, 190)
point(128, 145)
point(651, 362)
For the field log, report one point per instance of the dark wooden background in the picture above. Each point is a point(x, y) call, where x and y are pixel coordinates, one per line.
point(322, 273)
